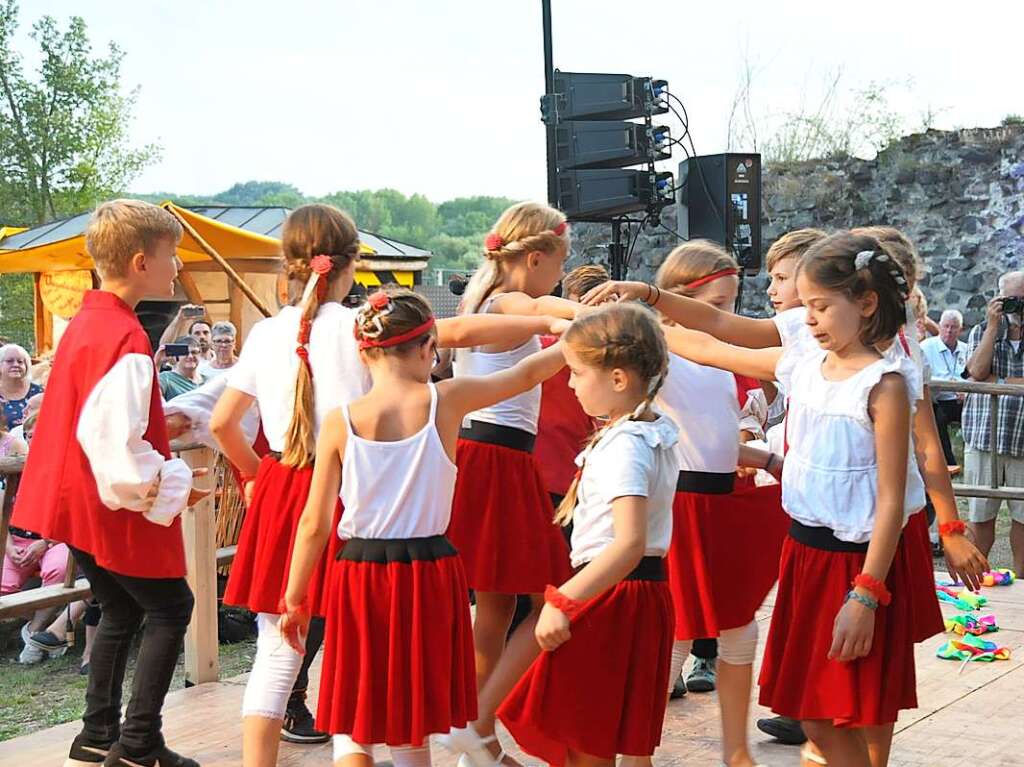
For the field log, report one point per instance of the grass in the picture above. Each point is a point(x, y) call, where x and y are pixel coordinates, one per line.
point(53, 692)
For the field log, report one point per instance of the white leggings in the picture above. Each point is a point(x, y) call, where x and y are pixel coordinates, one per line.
point(274, 671)
point(401, 756)
point(736, 647)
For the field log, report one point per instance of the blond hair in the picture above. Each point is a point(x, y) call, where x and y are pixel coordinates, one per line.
point(583, 279)
point(310, 231)
point(691, 261)
point(523, 228)
point(119, 229)
point(623, 336)
point(791, 245)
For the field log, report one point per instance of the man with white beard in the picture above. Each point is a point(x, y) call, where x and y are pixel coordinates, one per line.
point(994, 353)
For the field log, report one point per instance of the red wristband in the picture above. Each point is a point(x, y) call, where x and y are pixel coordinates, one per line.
point(556, 598)
point(875, 586)
point(956, 527)
point(300, 611)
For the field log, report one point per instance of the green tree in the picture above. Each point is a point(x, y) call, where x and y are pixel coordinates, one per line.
point(64, 134)
point(261, 193)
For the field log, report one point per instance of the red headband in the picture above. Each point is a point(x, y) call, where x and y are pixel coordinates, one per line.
point(711, 278)
point(372, 343)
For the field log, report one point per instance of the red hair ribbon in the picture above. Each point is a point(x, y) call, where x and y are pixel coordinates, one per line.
point(321, 265)
point(379, 300)
point(305, 326)
point(493, 241)
point(560, 229)
point(711, 278)
point(401, 338)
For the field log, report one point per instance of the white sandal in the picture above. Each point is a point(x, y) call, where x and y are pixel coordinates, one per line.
point(809, 756)
point(466, 741)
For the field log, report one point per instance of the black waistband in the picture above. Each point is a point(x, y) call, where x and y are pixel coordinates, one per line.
point(383, 551)
point(823, 538)
point(22, 533)
point(705, 482)
point(273, 454)
point(648, 569)
point(496, 434)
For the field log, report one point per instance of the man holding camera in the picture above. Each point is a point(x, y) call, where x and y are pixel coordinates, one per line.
point(994, 353)
point(185, 376)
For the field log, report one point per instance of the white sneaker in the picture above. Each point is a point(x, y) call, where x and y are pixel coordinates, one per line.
point(30, 654)
point(467, 742)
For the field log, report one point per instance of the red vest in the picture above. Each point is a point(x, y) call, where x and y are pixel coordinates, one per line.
point(57, 497)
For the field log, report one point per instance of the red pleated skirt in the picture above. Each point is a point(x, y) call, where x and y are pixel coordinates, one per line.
point(924, 605)
point(259, 573)
point(604, 691)
point(502, 522)
point(797, 678)
point(398, 645)
point(724, 557)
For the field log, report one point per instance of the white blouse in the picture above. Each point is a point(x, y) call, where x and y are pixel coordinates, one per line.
point(830, 477)
point(634, 458)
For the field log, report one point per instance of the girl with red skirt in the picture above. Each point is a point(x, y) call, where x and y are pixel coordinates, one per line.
point(398, 663)
point(615, 613)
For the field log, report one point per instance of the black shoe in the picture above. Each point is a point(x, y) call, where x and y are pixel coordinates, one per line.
point(158, 757)
point(299, 726)
point(678, 689)
point(86, 752)
point(783, 729)
point(702, 676)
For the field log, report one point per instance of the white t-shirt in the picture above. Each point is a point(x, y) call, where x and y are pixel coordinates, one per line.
point(209, 372)
point(703, 403)
point(268, 367)
point(830, 477)
point(633, 458)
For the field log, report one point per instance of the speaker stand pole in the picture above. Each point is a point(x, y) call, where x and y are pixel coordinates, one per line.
point(617, 252)
point(549, 88)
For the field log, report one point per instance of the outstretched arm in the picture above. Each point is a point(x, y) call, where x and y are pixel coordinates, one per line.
point(521, 303)
point(732, 328)
point(483, 329)
point(704, 349)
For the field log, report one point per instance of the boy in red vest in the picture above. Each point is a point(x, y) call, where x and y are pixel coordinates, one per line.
point(106, 485)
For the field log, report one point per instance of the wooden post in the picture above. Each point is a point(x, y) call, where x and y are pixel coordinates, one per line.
point(235, 313)
point(202, 661)
point(188, 284)
point(229, 270)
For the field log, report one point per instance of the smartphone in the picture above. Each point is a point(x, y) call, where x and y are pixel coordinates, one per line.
point(194, 311)
point(176, 350)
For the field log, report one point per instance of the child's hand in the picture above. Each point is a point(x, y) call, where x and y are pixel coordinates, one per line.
point(558, 326)
point(852, 633)
point(552, 628)
point(294, 626)
point(177, 424)
point(616, 291)
point(963, 561)
point(197, 494)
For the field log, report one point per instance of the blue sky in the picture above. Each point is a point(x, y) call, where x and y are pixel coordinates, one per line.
point(441, 97)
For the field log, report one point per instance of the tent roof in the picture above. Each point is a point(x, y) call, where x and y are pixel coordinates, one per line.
point(236, 232)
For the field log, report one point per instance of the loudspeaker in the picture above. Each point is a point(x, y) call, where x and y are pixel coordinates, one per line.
point(720, 200)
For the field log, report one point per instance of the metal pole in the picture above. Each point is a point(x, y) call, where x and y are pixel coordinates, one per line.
point(993, 427)
point(549, 87)
point(616, 251)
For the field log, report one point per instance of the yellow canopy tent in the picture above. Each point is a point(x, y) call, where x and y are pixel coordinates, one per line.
point(246, 239)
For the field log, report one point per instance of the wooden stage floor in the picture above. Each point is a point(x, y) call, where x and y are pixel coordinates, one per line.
point(973, 717)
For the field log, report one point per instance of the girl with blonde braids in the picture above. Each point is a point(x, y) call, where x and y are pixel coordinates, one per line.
point(298, 366)
point(615, 613)
point(398, 663)
point(501, 516)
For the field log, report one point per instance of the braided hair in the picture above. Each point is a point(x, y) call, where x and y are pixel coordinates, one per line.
point(625, 336)
point(855, 265)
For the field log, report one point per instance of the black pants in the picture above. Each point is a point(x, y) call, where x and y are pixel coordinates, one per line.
point(705, 649)
point(947, 411)
point(166, 606)
point(314, 639)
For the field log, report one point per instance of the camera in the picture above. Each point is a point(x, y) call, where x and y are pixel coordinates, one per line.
point(1012, 305)
point(193, 311)
point(176, 350)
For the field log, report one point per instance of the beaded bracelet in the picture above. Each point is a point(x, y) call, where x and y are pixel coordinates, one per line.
point(560, 601)
point(875, 586)
point(956, 527)
point(868, 602)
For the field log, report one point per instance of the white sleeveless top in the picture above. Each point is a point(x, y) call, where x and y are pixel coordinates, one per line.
point(268, 367)
point(400, 489)
point(519, 412)
point(830, 476)
point(703, 403)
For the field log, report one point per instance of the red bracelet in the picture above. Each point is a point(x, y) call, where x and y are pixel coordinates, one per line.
point(956, 527)
point(556, 598)
point(300, 611)
point(875, 586)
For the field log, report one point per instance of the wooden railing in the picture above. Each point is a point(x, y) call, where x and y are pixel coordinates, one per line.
point(201, 553)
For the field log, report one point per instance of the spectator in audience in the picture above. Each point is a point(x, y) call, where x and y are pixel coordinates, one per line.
point(994, 353)
point(222, 341)
point(926, 326)
point(16, 387)
point(947, 357)
point(200, 330)
point(185, 375)
point(55, 639)
point(186, 322)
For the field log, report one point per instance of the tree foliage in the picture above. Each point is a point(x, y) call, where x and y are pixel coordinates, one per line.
point(64, 133)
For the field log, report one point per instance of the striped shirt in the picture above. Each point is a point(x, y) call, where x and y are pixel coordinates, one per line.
point(1007, 362)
